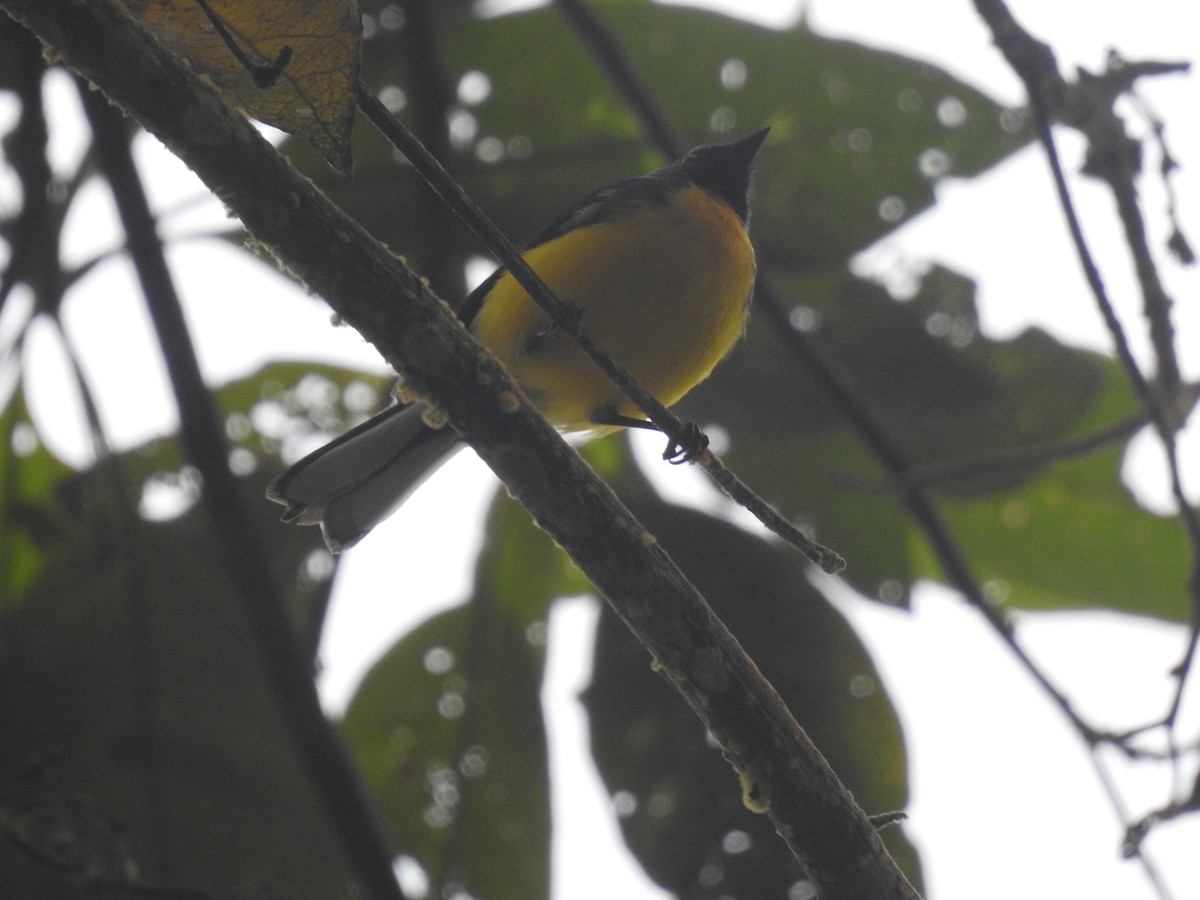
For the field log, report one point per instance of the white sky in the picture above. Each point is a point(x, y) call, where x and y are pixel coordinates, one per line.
point(1005, 803)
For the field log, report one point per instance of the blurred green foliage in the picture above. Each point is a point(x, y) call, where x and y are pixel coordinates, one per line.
point(135, 711)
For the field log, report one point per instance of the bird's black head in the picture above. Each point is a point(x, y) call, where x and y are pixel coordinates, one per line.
point(724, 170)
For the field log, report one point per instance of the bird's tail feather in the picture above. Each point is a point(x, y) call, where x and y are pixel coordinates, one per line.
point(355, 482)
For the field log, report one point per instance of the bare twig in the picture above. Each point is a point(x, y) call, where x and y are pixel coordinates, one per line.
point(1049, 93)
point(1137, 832)
point(1177, 243)
point(1111, 156)
point(609, 52)
point(1009, 462)
point(1115, 158)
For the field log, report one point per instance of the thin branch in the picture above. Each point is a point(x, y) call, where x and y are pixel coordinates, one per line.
point(1136, 833)
point(1177, 243)
point(419, 48)
point(35, 227)
point(1116, 159)
point(828, 560)
point(1012, 461)
point(1048, 92)
point(35, 259)
point(333, 775)
point(1034, 63)
point(1165, 418)
point(610, 54)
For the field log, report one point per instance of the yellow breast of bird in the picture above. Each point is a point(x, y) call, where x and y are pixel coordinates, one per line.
point(664, 290)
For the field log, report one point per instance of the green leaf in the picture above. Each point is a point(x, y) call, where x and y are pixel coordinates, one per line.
point(860, 136)
point(958, 404)
point(683, 804)
point(1073, 538)
point(448, 725)
point(136, 702)
point(29, 510)
point(447, 728)
point(939, 388)
point(521, 567)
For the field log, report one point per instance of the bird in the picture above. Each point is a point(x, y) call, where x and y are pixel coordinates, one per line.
point(661, 269)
